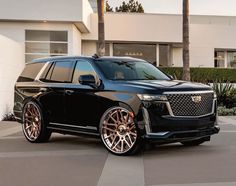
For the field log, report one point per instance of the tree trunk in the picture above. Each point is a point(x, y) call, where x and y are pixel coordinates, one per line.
point(186, 69)
point(101, 30)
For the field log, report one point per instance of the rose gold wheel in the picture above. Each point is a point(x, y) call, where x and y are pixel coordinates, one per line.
point(33, 128)
point(118, 130)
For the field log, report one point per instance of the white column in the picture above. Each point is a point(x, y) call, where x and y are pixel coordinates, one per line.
point(157, 55)
point(111, 49)
point(226, 58)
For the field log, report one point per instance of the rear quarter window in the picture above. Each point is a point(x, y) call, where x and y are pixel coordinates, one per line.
point(30, 72)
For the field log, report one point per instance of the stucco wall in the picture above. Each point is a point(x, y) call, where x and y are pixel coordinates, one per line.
point(204, 38)
point(88, 48)
point(206, 33)
point(12, 60)
point(138, 27)
point(72, 11)
point(52, 10)
point(75, 41)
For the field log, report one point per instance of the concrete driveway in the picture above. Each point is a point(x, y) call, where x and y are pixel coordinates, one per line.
point(78, 161)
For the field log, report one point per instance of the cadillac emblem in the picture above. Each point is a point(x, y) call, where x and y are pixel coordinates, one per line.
point(196, 99)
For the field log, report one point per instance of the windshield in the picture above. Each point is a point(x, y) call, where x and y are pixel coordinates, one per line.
point(130, 70)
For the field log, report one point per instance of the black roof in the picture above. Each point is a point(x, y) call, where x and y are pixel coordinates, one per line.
point(47, 59)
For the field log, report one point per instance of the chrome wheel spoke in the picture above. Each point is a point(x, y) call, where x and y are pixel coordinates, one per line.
point(134, 134)
point(122, 146)
point(111, 130)
point(111, 124)
point(29, 121)
point(121, 117)
point(129, 138)
point(127, 118)
point(113, 141)
point(113, 119)
point(117, 116)
point(116, 144)
point(26, 128)
point(127, 143)
point(109, 136)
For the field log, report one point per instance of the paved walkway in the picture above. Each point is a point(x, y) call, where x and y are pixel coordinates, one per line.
point(70, 160)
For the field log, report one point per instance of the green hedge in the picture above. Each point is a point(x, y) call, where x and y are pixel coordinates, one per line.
point(204, 75)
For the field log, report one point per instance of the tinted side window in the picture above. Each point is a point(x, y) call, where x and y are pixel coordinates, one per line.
point(62, 72)
point(83, 68)
point(30, 72)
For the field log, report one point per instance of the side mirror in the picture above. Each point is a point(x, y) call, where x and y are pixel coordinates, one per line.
point(87, 80)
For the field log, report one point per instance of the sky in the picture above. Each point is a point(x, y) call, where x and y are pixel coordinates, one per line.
point(197, 7)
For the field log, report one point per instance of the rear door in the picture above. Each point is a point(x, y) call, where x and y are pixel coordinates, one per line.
point(53, 98)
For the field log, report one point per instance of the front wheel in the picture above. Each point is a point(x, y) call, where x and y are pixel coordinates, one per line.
point(34, 126)
point(118, 131)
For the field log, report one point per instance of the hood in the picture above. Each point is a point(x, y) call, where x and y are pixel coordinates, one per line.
point(158, 86)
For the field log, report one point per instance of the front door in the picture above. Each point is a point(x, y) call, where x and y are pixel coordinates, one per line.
point(82, 103)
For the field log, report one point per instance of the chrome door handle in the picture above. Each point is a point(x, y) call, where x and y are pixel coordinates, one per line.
point(69, 92)
point(43, 89)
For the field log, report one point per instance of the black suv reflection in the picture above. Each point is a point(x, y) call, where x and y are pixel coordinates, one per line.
point(122, 100)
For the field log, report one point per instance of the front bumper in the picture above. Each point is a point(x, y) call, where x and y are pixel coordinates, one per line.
point(177, 136)
point(168, 128)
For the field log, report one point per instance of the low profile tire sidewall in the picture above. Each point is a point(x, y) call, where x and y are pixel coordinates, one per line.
point(136, 144)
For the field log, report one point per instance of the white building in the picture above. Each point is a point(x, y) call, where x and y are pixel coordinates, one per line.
point(38, 28)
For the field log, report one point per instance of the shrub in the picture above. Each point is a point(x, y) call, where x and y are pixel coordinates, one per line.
point(223, 111)
point(9, 117)
point(204, 75)
point(226, 94)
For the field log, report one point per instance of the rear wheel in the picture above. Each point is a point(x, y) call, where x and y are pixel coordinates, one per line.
point(195, 142)
point(33, 125)
point(119, 132)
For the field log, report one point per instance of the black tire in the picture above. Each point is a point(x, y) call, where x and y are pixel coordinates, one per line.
point(119, 132)
point(195, 142)
point(34, 124)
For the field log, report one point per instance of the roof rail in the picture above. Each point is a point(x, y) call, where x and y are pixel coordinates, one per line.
point(95, 56)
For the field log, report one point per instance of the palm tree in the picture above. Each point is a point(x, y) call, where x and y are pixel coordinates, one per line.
point(186, 69)
point(101, 30)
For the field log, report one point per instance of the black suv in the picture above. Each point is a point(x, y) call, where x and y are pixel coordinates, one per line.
point(124, 101)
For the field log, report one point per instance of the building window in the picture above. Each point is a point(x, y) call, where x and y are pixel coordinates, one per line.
point(165, 55)
point(142, 51)
point(219, 59)
point(225, 58)
point(231, 59)
point(40, 44)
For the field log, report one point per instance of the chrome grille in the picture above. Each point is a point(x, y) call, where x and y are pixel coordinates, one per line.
point(187, 105)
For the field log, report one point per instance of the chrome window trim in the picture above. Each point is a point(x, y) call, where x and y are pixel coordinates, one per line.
point(41, 71)
point(74, 126)
point(146, 121)
point(74, 131)
point(189, 92)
